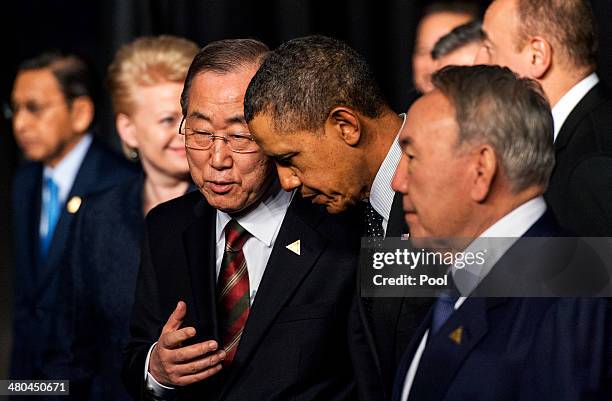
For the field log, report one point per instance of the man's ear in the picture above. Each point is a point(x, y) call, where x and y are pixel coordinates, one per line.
point(81, 113)
point(485, 168)
point(126, 130)
point(540, 57)
point(345, 123)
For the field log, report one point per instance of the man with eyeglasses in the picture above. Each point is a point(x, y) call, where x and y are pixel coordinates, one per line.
point(52, 110)
point(244, 289)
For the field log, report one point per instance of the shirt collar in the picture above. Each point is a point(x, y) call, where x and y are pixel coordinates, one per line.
point(496, 240)
point(568, 102)
point(263, 222)
point(64, 173)
point(381, 194)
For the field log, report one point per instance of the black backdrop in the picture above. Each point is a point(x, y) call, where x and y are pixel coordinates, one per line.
point(382, 30)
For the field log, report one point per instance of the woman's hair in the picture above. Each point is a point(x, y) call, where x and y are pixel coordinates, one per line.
point(147, 61)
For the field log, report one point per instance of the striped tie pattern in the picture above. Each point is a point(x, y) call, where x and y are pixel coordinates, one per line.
point(233, 290)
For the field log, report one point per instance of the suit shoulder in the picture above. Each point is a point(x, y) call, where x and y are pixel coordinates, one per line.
point(179, 211)
point(597, 121)
point(125, 195)
point(341, 226)
point(110, 162)
point(27, 172)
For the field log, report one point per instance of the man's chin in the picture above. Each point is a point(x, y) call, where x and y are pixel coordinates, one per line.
point(338, 206)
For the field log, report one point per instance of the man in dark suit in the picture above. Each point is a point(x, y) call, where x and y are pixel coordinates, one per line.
point(244, 292)
point(555, 43)
point(52, 111)
point(477, 157)
point(317, 111)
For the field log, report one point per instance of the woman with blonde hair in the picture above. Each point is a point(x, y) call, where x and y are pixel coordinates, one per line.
point(145, 81)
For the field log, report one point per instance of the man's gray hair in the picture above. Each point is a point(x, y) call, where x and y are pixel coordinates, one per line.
point(495, 106)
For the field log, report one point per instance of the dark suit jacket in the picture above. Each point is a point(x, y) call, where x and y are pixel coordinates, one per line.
point(97, 293)
point(383, 327)
point(515, 348)
point(580, 189)
point(294, 344)
point(37, 281)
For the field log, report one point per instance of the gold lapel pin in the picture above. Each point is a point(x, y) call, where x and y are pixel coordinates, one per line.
point(294, 247)
point(74, 204)
point(456, 335)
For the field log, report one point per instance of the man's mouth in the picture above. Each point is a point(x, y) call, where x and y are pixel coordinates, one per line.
point(220, 187)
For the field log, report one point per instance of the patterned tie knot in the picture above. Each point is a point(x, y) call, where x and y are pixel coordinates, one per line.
point(235, 236)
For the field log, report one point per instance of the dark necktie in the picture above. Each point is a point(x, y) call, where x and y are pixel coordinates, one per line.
point(443, 308)
point(373, 222)
point(51, 212)
point(233, 292)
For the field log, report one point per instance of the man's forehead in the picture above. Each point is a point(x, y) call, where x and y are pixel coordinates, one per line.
point(40, 81)
point(431, 112)
point(499, 10)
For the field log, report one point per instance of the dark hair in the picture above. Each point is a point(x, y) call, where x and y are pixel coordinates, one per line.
point(462, 35)
point(72, 73)
point(223, 56)
point(305, 78)
point(455, 7)
point(495, 106)
point(568, 24)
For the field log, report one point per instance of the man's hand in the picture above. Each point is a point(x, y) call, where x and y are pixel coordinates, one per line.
point(172, 364)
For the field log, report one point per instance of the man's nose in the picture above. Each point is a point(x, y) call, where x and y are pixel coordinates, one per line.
point(19, 120)
point(400, 179)
point(221, 155)
point(288, 180)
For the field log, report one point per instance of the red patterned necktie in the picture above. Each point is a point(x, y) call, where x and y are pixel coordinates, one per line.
point(233, 300)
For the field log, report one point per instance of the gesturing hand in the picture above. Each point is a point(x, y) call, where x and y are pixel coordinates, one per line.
point(173, 364)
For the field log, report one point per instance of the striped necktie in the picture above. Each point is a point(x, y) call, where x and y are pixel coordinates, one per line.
point(233, 302)
point(50, 214)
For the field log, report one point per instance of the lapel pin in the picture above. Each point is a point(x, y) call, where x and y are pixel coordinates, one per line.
point(294, 247)
point(456, 335)
point(74, 204)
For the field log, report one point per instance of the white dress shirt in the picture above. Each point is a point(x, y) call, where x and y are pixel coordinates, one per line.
point(568, 102)
point(511, 226)
point(381, 194)
point(63, 174)
point(263, 223)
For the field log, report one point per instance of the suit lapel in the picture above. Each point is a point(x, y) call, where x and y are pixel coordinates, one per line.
point(397, 225)
point(84, 181)
point(408, 355)
point(31, 216)
point(446, 350)
point(200, 248)
point(284, 273)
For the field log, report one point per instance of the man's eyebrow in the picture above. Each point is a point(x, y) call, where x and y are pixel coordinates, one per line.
point(199, 116)
point(406, 141)
point(236, 119)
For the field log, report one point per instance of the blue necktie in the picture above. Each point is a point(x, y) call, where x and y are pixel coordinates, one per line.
point(443, 308)
point(51, 210)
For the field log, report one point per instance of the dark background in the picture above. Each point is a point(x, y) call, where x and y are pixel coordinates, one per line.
point(382, 30)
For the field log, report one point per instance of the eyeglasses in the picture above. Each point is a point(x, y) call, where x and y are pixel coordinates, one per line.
point(203, 140)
